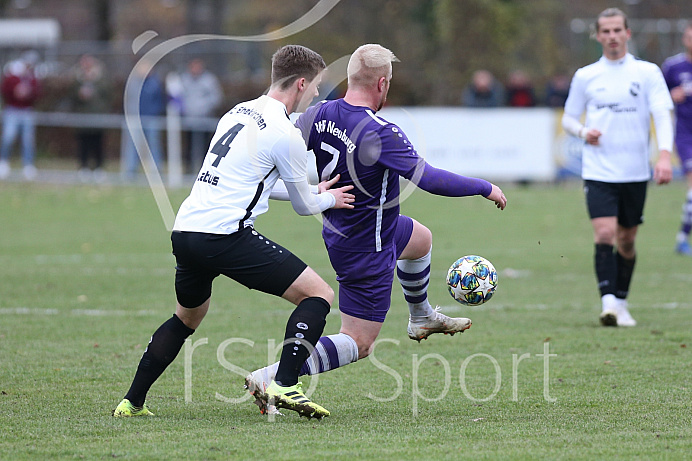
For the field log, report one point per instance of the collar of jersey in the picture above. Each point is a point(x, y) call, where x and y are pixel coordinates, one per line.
point(617, 62)
point(275, 102)
point(343, 102)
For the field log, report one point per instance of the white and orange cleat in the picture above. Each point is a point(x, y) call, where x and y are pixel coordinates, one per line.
point(422, 327)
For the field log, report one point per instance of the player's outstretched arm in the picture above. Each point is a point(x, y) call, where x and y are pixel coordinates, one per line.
point(497, 196)
point(306, 203)
point(442, 182)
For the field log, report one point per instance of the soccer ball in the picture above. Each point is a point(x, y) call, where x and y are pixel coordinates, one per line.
point(472, 280)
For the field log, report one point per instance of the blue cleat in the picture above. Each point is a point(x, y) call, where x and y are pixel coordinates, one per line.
point(683, 248)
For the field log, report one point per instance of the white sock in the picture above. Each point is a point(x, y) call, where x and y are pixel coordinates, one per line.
point(331, 352)
point(414, 276)
point(609, 302)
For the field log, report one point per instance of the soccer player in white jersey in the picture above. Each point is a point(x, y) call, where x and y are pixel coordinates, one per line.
point(620, 94)
point(255, 144)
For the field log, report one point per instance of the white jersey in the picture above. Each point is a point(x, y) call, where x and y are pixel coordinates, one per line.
point(254, 145)
point(618, 97)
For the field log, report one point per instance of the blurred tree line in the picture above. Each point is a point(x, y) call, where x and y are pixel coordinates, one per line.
point(440, 42)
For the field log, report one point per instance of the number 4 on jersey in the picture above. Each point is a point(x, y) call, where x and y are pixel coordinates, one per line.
point(223, 145)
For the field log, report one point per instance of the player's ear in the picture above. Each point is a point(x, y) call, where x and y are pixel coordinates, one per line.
point(301, 84)
point(381, 83)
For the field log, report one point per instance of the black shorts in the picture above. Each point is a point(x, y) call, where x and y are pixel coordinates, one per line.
point(245, 256)
point(624, 200)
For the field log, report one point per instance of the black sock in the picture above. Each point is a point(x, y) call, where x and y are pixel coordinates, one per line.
point(606, 268)
point(307, 324)
point(625, 268)
point(162, 349)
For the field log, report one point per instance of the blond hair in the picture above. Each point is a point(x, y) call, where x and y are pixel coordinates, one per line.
point(368, 64)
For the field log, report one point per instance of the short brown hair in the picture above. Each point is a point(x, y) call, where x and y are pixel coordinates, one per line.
point(292, 62)
point(609, 13)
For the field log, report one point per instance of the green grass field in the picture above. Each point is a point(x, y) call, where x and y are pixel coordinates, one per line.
point(86, 276)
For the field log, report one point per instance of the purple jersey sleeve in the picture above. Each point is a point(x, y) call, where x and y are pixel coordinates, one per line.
point(443, 182)
point(402, 158)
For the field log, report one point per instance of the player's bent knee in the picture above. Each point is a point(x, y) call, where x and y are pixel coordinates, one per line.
point(192, 317)
point(425, 236)
point(364, 350)
point(327, 293)
point(626, 249)
point(321, 289)
point(421, 238)
point(604, 238)
point(365, 344)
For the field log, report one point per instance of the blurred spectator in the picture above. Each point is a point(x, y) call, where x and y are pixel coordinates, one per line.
point(201, 97)
point(483, 91)
point(556, 91)
point(519, 89)
point(90, 94)
point(20, 90)
point(152, 103)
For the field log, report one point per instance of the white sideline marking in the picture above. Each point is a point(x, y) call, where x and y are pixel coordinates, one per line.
point(27, 311)
point(80, 258)
point(77, 312)
point(542, 307)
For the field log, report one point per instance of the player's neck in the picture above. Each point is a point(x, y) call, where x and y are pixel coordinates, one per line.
point(287, 98)
point(360, 98)
point(614, 58)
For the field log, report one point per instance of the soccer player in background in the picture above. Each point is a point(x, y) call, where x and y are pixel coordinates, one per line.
point(367, 244)
point(677, 71)
point(255, 144)
point(619, 94)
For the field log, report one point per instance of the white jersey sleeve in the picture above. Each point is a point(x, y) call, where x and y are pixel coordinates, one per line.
point(576, 98)
point(291, 157)
point(659, 96)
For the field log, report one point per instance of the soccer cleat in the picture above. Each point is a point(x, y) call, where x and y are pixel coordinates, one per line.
point(683, 248)
point(29, 172)
point(624, 319)
point(609, 318)
point(292, 398)
point(422, 327)
point(126, 409)
point(256, 384)
point(4, 169)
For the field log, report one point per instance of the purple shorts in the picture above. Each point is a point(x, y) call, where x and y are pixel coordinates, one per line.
point(684, 145)
point(365, 278)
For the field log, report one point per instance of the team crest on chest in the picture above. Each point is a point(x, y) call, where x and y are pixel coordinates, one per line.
point(635, 89)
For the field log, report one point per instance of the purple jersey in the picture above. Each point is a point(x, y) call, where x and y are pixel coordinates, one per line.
point(677, 71)
point(370, 154)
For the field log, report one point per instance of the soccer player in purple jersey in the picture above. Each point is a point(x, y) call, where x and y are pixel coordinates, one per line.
point(677, 71)
point(366, 244)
